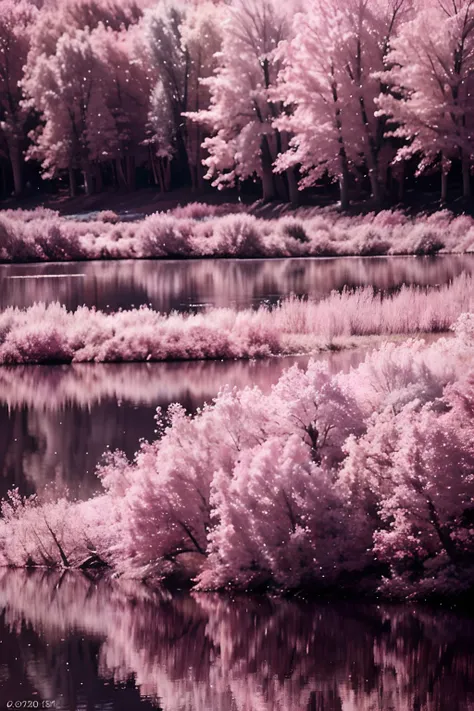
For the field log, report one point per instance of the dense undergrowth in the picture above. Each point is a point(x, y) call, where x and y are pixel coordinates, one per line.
point(51, 334)
point(360, 480)
point(199, 230)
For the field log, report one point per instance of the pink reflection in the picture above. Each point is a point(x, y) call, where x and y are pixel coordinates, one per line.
point(57, 421)
point(212, 653)
point(174, 284)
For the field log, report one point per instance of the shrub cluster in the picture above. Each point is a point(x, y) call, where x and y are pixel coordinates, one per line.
point(363, 479)
point(51, 334)
point(200, 231)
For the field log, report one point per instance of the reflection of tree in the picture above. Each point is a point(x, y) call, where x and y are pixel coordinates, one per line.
point(212, 653)
point(174, 284)
point(57, 421)
point(15, 440)
point(65, 672)
point(56, 452)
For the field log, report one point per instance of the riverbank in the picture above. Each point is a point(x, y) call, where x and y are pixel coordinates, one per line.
point(201, 231)
point(50, 334)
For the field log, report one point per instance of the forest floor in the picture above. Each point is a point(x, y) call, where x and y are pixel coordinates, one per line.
point(139, 203)
point(145, 201)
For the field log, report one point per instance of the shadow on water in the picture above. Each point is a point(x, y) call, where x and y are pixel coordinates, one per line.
point(117, 645)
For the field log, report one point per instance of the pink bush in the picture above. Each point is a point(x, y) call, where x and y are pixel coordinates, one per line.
point(363, 478)
point(204, 211)
point(51, 334)
point(39, 213)
point(53, 534)
point(108, 216)
point(417, 466)
point(202, 231)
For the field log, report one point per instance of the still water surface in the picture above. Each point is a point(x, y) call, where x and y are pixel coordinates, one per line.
point(184, 285)
point(92, 645)
point(57, 421)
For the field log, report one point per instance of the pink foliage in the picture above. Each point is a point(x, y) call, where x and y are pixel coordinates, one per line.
point(201, 231)
point(241, 114)
point(42, 334)
point(329, 85)
point(431, 69)
point(259, 90)
point(84, 77)
point(17, 19)
point(417, 465)
point(53, 534)
point(363, 478)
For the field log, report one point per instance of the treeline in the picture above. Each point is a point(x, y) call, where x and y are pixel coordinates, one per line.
point(363, 93)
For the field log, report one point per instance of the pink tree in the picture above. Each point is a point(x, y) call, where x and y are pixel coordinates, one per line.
point(16, 20)
point(124, 81)
point(310, 84)
point(242, 111)
point(64, 87)
point(278, 515)
point(69, 80)
point(181, 39)
point(432, 79)
point(412, 475)
point(329, 80)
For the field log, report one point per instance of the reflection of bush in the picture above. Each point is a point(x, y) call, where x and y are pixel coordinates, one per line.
point(249, 654)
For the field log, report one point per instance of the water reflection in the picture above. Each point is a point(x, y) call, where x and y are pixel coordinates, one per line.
point(182, 284)
point(57, 421)
point(93, 644)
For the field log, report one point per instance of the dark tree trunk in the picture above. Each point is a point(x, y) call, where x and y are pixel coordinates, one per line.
point(344, 184)
point(4, 178)
point(444, 186)
point(268, 178)
point(131, 182)
point(17, 168)
point(293, 192)
point(268, 187)
point(401, 184)
point(98, 177)
point(466, 177)
point(88, 179)
point(375, 185)
point(72, 182)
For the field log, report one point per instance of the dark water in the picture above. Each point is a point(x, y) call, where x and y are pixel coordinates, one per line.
point(182, 285)
point(57, 421)
point(98, 645)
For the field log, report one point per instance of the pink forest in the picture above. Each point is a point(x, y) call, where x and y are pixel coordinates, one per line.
point(236, 355)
